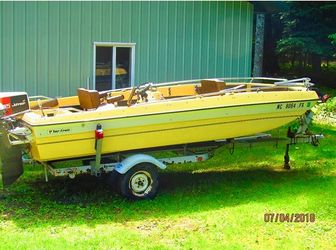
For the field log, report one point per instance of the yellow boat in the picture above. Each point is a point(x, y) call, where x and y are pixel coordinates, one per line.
point(157, 115)
point(175, 113)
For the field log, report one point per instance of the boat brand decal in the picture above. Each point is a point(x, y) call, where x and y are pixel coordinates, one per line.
point(290, 105)
point(19, 104)
point(59, 131)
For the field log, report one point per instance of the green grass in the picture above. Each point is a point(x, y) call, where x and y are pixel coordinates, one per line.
point(215, 204)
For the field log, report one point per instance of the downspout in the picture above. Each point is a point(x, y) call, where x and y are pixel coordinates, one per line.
point(259, 45)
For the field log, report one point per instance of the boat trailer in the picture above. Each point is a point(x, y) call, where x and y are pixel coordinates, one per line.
point(142, 182)
point(135, 171)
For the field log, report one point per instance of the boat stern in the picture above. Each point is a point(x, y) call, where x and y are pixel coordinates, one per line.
point(11, 164)
point(11, 144)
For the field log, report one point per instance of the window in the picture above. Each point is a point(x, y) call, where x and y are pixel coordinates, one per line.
point(113, 65)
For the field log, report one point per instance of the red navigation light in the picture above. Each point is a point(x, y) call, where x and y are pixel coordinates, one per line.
point(99, 134)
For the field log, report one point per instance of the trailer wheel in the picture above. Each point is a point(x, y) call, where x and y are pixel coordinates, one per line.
point(140, 182)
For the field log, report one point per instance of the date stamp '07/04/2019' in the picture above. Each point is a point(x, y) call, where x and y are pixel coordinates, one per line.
point(289, 217)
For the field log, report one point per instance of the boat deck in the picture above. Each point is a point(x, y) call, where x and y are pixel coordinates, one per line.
point(87, 100)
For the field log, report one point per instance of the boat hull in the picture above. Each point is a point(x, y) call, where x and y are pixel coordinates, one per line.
point(185, 121)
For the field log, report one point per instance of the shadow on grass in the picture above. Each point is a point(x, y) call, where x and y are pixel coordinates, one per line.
point(85, 200)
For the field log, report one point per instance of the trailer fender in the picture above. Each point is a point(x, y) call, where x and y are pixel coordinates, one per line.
point(134, 160)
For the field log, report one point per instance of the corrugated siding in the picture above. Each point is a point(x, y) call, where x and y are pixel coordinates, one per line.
point(46, 48)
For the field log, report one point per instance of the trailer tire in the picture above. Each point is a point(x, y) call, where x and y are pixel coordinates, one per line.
point(140, 182)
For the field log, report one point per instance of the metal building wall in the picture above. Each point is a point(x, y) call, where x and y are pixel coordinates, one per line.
point(46, 48)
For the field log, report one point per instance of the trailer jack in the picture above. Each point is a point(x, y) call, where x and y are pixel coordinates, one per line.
point(308, 137)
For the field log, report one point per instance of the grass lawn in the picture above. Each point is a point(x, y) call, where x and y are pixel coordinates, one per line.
point(215, 204)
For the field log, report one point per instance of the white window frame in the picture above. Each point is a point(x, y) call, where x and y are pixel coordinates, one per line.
point(114, 46)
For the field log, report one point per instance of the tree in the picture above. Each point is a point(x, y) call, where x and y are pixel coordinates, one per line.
point(273, 33)
point(332, 37)
point(309, 31)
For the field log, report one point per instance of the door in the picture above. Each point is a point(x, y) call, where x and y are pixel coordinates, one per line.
point(114, 66)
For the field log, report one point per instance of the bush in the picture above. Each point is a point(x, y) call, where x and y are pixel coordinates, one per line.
point(326, 112)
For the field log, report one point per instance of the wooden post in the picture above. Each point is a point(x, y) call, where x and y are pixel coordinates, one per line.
point(259, 45)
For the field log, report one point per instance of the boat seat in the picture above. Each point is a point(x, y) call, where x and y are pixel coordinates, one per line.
point(210, 86)
point(88, 99)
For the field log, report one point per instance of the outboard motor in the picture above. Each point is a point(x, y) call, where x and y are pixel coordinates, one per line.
point(12, 104)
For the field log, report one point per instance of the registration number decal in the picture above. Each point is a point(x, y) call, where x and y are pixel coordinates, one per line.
point(290, 105)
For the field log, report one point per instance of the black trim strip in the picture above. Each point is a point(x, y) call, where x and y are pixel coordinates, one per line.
point(171, 112)
point(162, 130)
